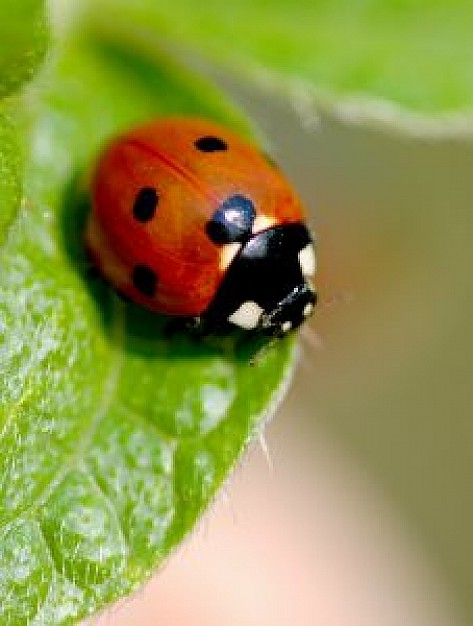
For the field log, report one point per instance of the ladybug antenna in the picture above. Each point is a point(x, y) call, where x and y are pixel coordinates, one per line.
point(339, 297)
point(311, 338)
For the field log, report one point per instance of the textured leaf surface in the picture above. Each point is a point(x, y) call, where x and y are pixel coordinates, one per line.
point(413, 52)
point(112, 439)
point(23, 41)
point(10, 174)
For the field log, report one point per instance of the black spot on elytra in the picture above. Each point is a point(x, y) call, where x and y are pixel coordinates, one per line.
point(232, 221)
point(211, 144)
point(146, 203)
point(145, 280)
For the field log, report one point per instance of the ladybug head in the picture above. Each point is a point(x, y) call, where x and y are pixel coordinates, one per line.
point(294, 309)
point(267, 285)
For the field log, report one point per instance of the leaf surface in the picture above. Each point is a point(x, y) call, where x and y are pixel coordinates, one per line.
point(24, 36)
point(113, 439)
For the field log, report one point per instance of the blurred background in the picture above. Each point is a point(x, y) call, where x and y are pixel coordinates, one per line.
point(363, 515)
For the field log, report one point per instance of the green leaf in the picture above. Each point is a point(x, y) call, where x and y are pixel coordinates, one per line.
point(416, 53)
point(23, 41)
point(10, 174)
point(113, 439)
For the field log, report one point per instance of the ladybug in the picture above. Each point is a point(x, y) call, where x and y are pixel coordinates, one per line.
point(188, 219)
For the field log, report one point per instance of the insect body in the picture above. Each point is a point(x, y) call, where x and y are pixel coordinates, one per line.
point(190, 220)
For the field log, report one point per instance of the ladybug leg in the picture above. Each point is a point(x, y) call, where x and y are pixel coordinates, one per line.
point(250, 347)
point(189, 325)
point(195, 324)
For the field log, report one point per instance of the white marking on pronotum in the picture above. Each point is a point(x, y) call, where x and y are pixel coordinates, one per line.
point(262, 222)
point(286, 326)
point(247, 316)
point(309, 307)
point(307, 260)
point(228, 253)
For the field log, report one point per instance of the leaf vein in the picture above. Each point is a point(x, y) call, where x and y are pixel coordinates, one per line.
point(112, 506)
point(139, 419)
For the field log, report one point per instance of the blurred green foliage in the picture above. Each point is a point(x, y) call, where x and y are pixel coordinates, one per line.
point(416, 53)
point(23, 41)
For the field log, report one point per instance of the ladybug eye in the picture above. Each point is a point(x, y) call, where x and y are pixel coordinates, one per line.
point(210, 144)
point(232, 221)
point(146, 203)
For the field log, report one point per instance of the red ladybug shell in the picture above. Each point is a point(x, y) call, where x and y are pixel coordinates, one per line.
point(154, 190)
